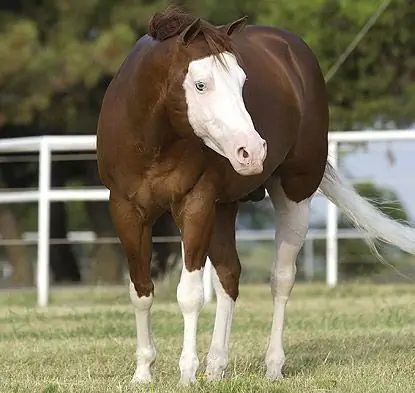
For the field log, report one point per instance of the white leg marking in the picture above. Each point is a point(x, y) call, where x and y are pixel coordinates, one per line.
point(217, 358)
point(190, 299)
point(146, 351)
point(292, 227)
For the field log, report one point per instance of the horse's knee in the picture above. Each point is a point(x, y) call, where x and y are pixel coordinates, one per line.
point(227, 279)
point(190, 291)
point(143, 302)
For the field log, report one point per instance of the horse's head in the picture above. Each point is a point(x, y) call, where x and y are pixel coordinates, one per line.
point(205, 90)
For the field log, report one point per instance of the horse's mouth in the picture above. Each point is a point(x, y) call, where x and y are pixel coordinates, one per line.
point(255, 168)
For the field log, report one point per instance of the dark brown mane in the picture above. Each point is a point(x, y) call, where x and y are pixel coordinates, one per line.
point(169, 23)
point(173, 21)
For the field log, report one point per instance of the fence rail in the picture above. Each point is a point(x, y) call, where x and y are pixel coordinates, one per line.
point(46, 145)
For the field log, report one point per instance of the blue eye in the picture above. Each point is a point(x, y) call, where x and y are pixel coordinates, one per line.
point(200, 86)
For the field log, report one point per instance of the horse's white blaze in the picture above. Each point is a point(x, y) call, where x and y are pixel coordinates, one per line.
point(217, 112)
point(292, 227)
point(190, 299)
point(146, 351)
point(217, 358)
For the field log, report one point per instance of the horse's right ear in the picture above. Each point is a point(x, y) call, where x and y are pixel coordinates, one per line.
point(236, 26)
point(190, 32)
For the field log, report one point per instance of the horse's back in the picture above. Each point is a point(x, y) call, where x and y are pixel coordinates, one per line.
point(287, 99)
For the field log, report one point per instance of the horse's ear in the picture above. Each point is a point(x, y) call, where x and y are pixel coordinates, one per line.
point(236, 26)
point(190, 32)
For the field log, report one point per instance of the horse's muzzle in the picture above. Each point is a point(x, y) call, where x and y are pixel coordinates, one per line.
point(249, 159)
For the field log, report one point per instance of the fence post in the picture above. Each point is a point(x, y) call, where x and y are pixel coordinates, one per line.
point(331, 227)
point(43, 223)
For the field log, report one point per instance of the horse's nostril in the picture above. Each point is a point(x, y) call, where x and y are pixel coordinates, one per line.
point(242, 153)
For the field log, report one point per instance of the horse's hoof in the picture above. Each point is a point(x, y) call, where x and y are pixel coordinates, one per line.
point(141, 378)
point(273, 375)
point(186, 380)
point(214, 375)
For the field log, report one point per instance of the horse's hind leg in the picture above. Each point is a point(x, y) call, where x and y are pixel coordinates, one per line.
point(135, 237)
point(226, 272)
point(292, 226)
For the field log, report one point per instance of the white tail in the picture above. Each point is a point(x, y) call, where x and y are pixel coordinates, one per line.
point(364, 215)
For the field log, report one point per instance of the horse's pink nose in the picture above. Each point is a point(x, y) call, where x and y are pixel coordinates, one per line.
point(244, 156)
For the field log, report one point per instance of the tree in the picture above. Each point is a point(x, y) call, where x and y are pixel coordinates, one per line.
point(57, 51)
point(375, 87)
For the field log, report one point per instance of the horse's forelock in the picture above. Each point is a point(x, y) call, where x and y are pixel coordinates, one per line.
point(173, 21)
point(169, 23)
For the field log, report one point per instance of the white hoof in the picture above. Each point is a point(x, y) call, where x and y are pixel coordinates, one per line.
point(189, 363)
point(141, 376)
point(274, 368)
point(273, 375)
point(217, 361)
point(187, 379)
point(213, 374)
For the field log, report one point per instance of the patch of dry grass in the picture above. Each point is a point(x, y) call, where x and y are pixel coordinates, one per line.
point(355, 338)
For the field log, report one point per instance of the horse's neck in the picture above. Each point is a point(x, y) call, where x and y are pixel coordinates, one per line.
point(156, 135)
point(147, 107)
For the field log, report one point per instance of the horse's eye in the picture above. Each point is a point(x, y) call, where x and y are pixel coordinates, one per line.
point(200, 86)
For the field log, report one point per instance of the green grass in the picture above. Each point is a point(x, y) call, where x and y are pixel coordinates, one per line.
point(355, 338)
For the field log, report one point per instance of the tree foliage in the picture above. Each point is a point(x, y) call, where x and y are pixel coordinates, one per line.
point(55, 54)
point(375, 87)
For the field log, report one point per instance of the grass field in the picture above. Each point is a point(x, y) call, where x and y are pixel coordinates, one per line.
point(355, 338)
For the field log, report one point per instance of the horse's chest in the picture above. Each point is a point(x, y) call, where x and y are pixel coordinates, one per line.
point(168, 181)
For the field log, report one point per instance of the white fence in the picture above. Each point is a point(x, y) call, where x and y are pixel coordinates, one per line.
point(45, 145)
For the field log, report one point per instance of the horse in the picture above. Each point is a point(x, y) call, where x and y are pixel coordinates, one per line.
point(198, 118)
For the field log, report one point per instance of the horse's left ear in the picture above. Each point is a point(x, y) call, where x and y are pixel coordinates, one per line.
point(190, 32)
point(236, 26)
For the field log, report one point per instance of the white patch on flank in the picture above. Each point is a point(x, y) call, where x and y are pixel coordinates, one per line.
point(217, 112)
point(217, 358)
point(146, 351)
point(292, 227)
point(190, 299)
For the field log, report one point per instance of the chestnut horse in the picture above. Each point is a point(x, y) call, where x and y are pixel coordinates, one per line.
point(198, 118)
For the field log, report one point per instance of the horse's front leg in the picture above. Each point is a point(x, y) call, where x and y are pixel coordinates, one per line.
point(226, 272)
point(195, 218)
point(135, 236)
